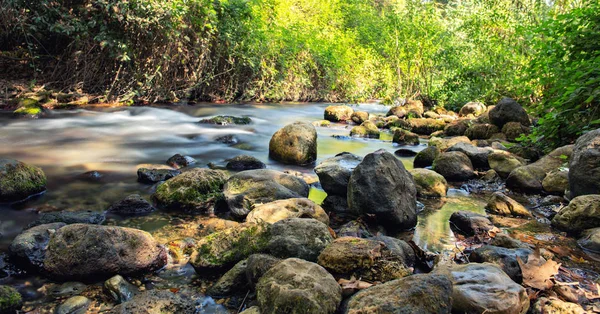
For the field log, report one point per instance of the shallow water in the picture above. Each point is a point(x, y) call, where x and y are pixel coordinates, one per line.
point(115, 142)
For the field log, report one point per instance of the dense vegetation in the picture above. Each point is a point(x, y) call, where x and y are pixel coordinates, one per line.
point(445, 52)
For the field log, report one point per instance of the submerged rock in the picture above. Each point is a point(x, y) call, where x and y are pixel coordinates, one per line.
point(416, 294)
point(83, 217)
point(429, 183)
point(197, 189)
point(146, 175)
point(381, 186)
point(454, 166)
point(294, 144)
point(295, 286)
point(30, 245)
point(178, 161)
point(227, 120)
point(248, 188)
point(19, 180)
point(503, 205)
point(119, 289)
point(583, 212)
point(244, 162)
point(338, 113)
point(299, 237)
point(584, 168)
point(89, 251)
point(590, 240)
point(334, 173)
point(508, 110)
point(289, 208)
point(133, 204)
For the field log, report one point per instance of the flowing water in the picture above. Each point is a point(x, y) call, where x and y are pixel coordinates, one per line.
point(115, 142)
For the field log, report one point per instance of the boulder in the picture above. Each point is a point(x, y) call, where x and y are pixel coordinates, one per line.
point(454, 166)
point(294, 144)
point(74, 305)
point(504, 258)
point(417, 294)
point(481, 131)
point(469, 223)
point(133, 204)
point(431, 115)
point(232, 281)
point(289, 208)
point(162, 301)
point(338, 113)
point(444, 143)
point(19, 180)
point(529, 178)
point(404, 137)
point(299, 237)
point(508, 110)
point(584, 168)
point(477, 155)
point(257, 265)
point(227, 247)
point(397, 247)
point(484, 288)
point(197, 190)
point(501, 204)
point(90, 251)
point(367, 129)
point(426, 126)
point(503, 162)
point(426, 157)
point(227, 120)
point(457, 127)
point(403, 152)
point(370, 260)
point(334, 173)
point(381, 186)
point(415, 106)
point(397, 111)
point(146, 175)
point(244, 162)
point(296, 286)
point(248, 188)
point(554, 305)
point(474, 108)
point(526, 152)
point(513, 130)
point(359, 117)
point(583, 212)
point(119, 289)
point(10, 300)
point(429, 183)
point(556, 182)
point(83, 217)
point(30, 245)
point(178, 161)
point(590, 240)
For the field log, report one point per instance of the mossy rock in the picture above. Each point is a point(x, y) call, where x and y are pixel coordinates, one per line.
point(10, 300)
point(294, 144)
point(426, 126)
point(338, 113)
point(429, 183)
point(197, 189)
point(227, 120)
point(404, 137)
point(367, 129)
point(227, 247)
point(19, 180)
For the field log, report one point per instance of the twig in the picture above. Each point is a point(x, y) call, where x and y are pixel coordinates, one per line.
point(243, 302)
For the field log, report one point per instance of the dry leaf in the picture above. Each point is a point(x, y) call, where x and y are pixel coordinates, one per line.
point(353, 285)
point(537, 273)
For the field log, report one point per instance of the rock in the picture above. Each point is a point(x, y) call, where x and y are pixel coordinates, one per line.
point(119, 289)
point(381, 186)
point(257, 265)
point(556, 182)
point(398, 248)
point(338, 204)
point(454, 166)
point(370, 260)
point(359, 117)
point(248, 188)
point(469, 223)
point(229, 246)
point(526, 152)
point(474, 108)
point(299, 237)
point(477, 155)
point(338, 113)
point(334, 173)
point(397, 111)
point(590, 240)
point(457, 127)
point(415, 106)
point(146, 175)
point(178, 161)
point(296, 286)
point(89, 251)
point(133, 204)
point(159, 301)
point(501, 204)
point(227, 120)
point(90, 176)
point(584, 168)
point(431, 115)
point(354, 228)
point(429, 183)
point(10, 300)
point(505, 241)
point(197, 189)
point(244, 162)
point(426, 157)
point(418, 294)
point(503, 162)
point(402, 152)
point(84, 217)
point(484, 288)
point(481, 131)
point(74, 305)
point(367, 129)
point(289, 208)
point(404, 137)
point(508, 110)
point(294, 144)
point(426, 126)
point(513, 130)
point(529, 178)
point(554, 305)
point(30, 245)
point(251, 310)
point(227, 139)
point(232, 281)
point(19, 180)
point(490, 176)
point(583, 212)
point(504, 258)
point(321, 123)
point(444, 143)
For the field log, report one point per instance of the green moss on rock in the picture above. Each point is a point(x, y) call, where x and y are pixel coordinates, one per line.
point(197, 189)
point(10, 300)
point(19, 180)
point(226, 120)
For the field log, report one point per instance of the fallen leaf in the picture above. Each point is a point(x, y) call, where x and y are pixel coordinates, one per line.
point(174, 290)
point(537, 273)
point(353, 285)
